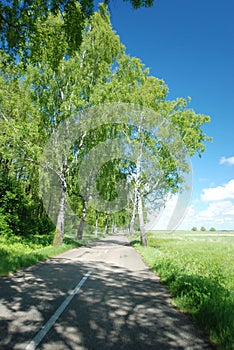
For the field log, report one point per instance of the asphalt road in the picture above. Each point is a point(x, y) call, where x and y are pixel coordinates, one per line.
point(119, 304)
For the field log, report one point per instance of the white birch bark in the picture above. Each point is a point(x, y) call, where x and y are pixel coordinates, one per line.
point(82, 221)
point(132, 222)
point(139, 199)
point(59, 231)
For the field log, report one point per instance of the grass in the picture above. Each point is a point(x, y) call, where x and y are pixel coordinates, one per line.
point(198, 270)
point(17, 252)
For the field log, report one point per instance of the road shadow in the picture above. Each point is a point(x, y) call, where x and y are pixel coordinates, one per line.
point(110, 241)
point(115, 309)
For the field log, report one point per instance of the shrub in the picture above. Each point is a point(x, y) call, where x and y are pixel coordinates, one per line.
point(4, 226)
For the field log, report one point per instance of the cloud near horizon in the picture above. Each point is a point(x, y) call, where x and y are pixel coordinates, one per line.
point(218, 211)
point(225, 160)
point(218, 214)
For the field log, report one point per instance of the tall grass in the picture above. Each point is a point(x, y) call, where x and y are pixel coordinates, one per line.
point(17, 252)
point(199, 273)
point(21, 251)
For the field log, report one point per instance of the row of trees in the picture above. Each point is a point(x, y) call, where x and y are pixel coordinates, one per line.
point(212, 229)
point(71, 62)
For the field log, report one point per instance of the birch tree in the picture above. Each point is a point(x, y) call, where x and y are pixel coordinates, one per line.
point(61, 90)
point(132, 83)
point(64, 76)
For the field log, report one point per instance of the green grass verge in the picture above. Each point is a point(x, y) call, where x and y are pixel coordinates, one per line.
point(199, 273)
point(17, 252)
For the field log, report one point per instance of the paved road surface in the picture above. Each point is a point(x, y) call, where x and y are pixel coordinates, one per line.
point(121, 305)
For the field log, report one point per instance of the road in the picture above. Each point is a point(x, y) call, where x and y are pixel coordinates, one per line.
point(120, 304)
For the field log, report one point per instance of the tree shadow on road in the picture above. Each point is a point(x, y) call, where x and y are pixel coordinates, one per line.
point(115, 309)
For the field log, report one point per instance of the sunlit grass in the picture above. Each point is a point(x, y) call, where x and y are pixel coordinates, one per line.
point(20, 251)
point(17, 252)
point(199, 272)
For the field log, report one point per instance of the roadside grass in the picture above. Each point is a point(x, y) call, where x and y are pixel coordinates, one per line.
point(198, 270)
point(17, 252)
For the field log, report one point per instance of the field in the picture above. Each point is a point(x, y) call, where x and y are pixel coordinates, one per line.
point(198, 269)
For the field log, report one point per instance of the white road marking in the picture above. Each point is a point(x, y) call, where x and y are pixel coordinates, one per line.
point(44, 330)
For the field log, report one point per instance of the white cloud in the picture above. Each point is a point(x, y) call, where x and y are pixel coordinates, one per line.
point(218, 214)
point(218, 193)
point(215, 208)
point(229, 161)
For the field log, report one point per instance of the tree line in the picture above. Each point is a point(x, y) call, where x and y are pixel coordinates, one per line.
point(70, 62)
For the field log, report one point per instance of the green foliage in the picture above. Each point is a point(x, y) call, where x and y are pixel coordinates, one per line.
point(199, 272)
point(194, 229)
point(47, 44)
point(4, 225)
point(18, 20)
point(74, 19)
point(212, 229)
point(18, 211)
point(203, 229)
point(74, 61)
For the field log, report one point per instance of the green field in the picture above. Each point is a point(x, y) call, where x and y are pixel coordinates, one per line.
point(198, 269)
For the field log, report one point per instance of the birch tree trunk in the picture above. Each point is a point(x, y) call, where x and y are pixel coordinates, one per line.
point(132, 222)
point(107, 226)
point(141, 220)
point(59, 231)
point(82, 221)
point(139, 200)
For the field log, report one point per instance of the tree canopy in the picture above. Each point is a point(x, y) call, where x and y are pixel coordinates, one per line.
point(19, 20)
point(84, 75)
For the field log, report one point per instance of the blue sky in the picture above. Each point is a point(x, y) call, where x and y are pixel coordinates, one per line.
point(190, 44)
